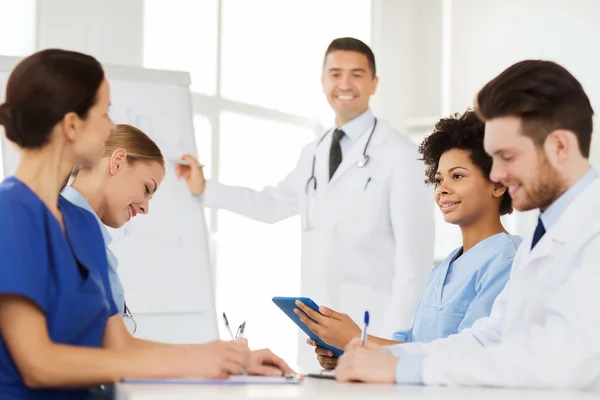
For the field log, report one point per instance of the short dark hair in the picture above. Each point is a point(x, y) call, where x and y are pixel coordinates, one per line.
point(352, 44)
point(43, 88)
point(545, 96)
point(463, 132)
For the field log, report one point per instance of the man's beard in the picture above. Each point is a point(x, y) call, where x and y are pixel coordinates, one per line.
point(544, 191)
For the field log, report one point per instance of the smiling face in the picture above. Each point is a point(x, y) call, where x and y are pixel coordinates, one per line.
point(521, 165)
point(462, 192)
point(129, 190)
point(348, 83)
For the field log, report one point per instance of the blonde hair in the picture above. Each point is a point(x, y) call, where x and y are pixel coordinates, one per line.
point(137, 144)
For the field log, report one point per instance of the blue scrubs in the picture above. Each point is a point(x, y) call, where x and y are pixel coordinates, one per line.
point(462, 289)
point(64, 274)
point(113, 263)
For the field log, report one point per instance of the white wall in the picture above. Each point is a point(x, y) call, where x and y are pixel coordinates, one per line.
point(407, 41)
point(110, 30)
point(489, 36)
point(486, 37)
point(17, 20)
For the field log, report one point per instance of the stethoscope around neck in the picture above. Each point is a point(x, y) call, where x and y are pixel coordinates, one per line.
point(364, 160)
point(128, 319)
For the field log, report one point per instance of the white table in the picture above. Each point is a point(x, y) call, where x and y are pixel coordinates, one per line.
point(329, 389)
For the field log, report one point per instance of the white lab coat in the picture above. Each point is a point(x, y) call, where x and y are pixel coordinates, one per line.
point(544, 328)
point(363, 249)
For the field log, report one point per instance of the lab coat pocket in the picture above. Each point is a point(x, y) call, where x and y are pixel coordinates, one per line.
point(360, 209)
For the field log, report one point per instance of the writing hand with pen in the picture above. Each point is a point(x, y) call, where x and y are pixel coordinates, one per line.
point(260, 362)
point(366, 361)
point(371, 363)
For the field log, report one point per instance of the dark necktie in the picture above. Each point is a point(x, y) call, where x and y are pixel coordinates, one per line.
point(335, 153)
point(539, 232)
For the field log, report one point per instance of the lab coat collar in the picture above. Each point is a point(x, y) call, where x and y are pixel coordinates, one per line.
point(551, 215)
point(568, 226)
point(356, 153)
point(381, 132)
point(358, 126)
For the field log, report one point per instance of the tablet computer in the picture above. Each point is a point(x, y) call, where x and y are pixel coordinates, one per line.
point(288, 304)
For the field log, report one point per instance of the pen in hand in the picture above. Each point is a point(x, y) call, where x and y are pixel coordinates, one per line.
point(364, 332)
point(227, 326)
point(240, 331)
point(184, 163)
point(239, 334)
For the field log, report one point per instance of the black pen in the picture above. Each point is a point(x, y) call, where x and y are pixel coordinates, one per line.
point(227, 326)
point(240, 331)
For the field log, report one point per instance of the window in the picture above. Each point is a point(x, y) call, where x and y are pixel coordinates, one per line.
point(252, 118)
point(274, 58)
point(270, 67)
point(182, 35)
point(203, 134)
point(258, 261)
point(18, 26)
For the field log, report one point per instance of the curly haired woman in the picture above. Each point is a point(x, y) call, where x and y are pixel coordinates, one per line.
point(462, 288)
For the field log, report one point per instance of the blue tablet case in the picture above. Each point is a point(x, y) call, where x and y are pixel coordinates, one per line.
point(288, 304)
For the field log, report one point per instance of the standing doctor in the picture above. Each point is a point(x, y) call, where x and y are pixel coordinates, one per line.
point(367, 220)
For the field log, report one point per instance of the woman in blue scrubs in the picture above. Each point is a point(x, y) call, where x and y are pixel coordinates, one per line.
point(462, 288)
point(118, 188)
point(60, 332)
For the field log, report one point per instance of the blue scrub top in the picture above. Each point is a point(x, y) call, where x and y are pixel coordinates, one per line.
point(64, 274)
point(116, 286)
point(462, 289)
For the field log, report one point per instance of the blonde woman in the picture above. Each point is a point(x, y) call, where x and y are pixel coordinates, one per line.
point(118, 188)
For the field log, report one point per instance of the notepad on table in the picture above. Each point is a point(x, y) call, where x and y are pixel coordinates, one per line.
point(232, 380)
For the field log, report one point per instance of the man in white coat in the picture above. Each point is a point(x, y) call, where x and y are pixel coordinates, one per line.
point(366, 215)
point(544, 327)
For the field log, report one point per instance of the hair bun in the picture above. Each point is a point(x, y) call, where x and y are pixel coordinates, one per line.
point(6, 115)
point(7, 119)
point(4, 110)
